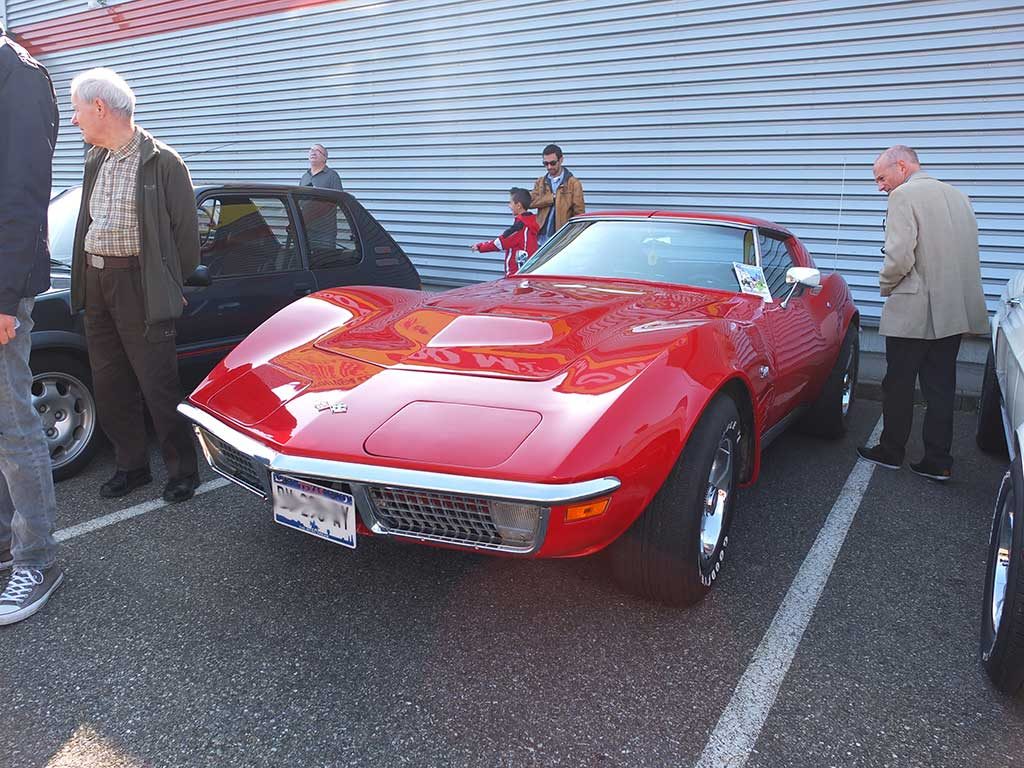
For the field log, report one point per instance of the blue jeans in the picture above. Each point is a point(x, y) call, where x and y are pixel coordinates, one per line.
point(28, 508)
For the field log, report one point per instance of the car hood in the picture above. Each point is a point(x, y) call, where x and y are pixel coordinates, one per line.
point(471, 379)
point(532, 329)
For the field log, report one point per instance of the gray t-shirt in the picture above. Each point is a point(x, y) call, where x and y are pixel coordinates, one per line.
point(328, 178)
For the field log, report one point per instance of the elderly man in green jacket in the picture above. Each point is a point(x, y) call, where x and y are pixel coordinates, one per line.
point(931, 277)
point(137, 238)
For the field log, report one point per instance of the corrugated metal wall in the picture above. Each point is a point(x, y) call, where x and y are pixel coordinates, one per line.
point(21, 13)
point(431, 110)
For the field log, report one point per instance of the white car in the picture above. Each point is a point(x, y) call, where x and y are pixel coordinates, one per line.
point(1001, 430)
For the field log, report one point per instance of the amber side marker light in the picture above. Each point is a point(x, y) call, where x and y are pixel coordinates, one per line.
point(586, 509)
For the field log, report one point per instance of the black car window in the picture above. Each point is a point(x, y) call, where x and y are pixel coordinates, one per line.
point(776, 261)
point(329, 233)
point(246, 235)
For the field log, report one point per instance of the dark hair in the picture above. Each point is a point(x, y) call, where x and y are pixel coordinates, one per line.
point(552, 149)
point(520, 195)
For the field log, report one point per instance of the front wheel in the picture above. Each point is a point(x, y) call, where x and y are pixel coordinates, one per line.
point(62, 396)
point(1002, 615)
point(674, 551)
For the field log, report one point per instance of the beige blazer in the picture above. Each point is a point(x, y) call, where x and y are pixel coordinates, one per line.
point(931, 275)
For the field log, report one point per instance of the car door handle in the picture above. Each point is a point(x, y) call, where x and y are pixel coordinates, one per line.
point(229, 305)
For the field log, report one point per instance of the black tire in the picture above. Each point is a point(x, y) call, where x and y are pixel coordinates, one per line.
point(1002, 624)
point(62, 395)
point(663, 556)
point(829, 415)
point(989, 434)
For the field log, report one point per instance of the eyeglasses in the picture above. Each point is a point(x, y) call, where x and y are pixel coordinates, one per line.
point(548, 163)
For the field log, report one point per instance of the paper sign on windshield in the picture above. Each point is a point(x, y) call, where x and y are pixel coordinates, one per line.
point(751, 280)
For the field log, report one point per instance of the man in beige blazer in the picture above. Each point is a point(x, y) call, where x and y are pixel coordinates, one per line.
point(931, 278)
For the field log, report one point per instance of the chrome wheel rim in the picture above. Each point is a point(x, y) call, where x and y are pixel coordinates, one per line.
point(1001, 562)
point(848, 384)
point(717, 496)
point(67, 412)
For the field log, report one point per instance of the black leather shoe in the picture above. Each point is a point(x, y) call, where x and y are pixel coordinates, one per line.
point(124, 482)
point(181, 488)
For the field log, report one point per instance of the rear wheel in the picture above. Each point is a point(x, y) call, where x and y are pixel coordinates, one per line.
point(989, 434)
point(674, 551)
point(1002, 615)
point(62, 396)
point(829, 415)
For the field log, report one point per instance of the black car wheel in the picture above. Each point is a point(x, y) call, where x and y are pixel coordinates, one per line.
point(829, 415)
point(674, 551)
point(1002, 615)
point(62, 396)
point(989, 434)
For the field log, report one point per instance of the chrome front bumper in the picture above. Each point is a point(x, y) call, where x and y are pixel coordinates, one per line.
point(459, 510)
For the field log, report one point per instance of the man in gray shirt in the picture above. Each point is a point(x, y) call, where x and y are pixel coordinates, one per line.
point(319, 175)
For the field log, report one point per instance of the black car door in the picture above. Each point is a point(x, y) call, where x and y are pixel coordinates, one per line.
point(332, 242)
point(250, 246)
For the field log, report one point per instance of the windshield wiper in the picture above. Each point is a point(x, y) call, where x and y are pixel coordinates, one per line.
point(58, 264)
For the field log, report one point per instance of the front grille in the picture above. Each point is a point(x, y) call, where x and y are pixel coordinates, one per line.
point(232, 462)
point(455, 519)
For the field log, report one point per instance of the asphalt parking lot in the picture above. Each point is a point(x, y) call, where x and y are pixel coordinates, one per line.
point(207, 635)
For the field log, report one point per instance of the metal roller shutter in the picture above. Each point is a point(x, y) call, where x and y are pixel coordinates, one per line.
point(431, 110)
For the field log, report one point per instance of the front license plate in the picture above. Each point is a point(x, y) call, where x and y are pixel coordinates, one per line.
point(314, 509)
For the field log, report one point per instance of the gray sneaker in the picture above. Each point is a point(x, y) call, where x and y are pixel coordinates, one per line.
point(27, 591)
point(6, 560)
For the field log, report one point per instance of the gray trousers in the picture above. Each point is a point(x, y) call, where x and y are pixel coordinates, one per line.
point(27, 505)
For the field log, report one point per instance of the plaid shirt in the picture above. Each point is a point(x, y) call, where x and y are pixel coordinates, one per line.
point(114, 230)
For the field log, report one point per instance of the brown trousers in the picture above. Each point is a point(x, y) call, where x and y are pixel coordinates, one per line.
point(130, 362)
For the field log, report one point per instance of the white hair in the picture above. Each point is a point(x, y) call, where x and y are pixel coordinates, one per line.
point(107, 86)
point(899, 152)
point(322, 148)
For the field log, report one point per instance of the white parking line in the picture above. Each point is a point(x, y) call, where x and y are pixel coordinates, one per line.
point(126, 514)
point(739, 726)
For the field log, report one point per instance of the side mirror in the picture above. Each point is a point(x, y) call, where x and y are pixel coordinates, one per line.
point(809, 277)
point(200, 278)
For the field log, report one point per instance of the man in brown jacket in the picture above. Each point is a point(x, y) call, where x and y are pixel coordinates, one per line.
point(557, 195)
point(931, 277)
point(137, 237)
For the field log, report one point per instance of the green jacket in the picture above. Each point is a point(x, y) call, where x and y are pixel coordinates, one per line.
point(169, 228)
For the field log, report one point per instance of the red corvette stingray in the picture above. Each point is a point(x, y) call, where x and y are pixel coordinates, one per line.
point(614, 394)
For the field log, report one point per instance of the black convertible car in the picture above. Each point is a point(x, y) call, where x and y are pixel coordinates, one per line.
point(263, 246)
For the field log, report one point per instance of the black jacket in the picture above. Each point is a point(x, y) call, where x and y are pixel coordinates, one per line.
point(28, 135)
point(168, 228)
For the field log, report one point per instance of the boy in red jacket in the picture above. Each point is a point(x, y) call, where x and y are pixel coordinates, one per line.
point(518, 241)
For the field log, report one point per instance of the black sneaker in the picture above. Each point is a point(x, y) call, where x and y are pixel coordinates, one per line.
point(27, 591)
point(878, 455)
point(6, 560)
point(932, 472)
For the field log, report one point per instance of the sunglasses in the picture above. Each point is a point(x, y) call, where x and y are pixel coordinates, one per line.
point(551, 162)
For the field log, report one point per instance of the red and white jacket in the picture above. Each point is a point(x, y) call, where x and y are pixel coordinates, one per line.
point(521, 236)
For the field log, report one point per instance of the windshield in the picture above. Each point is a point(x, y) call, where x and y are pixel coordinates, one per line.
point(681, 252)
point(62, 218)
